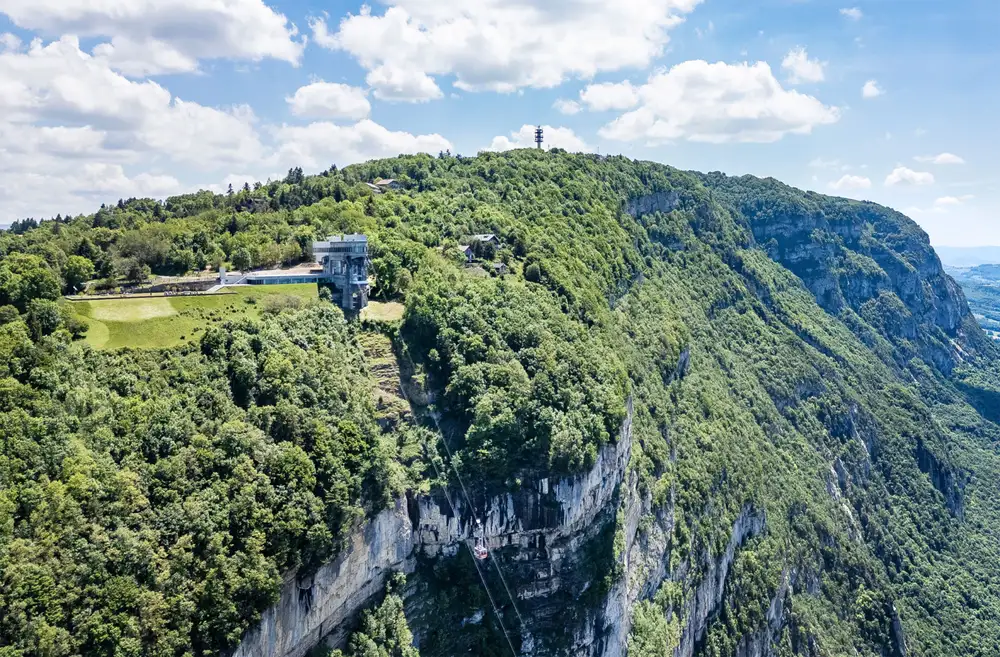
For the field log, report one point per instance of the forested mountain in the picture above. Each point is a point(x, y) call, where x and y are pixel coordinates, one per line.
point(781, 409)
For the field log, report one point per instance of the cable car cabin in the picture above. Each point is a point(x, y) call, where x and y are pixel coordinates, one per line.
point(481, 552)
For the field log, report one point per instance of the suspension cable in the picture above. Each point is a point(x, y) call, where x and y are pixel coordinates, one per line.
point(472, 508)
point(468, 500)
point(482, 578)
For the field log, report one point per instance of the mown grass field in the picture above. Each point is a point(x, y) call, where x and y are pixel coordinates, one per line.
point(170, 321)
point(383, 312)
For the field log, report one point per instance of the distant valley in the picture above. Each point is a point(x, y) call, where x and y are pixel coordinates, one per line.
point(968, 256)
point(981, 285)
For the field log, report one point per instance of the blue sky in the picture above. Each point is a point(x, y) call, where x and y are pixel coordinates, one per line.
point(110, 98)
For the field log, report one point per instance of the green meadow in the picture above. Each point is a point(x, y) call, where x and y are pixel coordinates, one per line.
point(152, 322)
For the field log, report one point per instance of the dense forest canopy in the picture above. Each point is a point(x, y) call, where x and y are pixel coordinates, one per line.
point(791, 353)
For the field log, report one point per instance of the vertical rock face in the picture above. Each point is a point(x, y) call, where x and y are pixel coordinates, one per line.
point(541, 537)
point(856, 255)
point(319, 607)
point(545, 527)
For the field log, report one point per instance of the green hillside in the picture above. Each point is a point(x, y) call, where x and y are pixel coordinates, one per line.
point(801, 356)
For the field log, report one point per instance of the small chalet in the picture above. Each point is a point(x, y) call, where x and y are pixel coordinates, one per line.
point(489, 238)
point(375, 188)
point(387, 183)
point(467, 252)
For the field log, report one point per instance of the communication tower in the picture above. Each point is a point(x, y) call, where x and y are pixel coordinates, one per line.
point(539, 136)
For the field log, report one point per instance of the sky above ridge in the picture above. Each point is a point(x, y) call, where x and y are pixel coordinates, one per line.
point(893, 101)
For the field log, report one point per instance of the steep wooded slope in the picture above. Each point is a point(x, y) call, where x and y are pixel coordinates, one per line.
point(803, 378)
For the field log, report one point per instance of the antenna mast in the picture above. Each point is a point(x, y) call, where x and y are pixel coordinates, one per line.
point(539, 136)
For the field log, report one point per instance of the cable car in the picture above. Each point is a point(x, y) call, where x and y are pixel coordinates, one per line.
point(480, 550)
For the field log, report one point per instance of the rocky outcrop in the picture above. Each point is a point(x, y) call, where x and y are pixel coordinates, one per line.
point(319, 607)
point(857, 255)
point(544, 513)
point(704, 603)
point(550, 523)
point(761, 643)
point(949, 483)
point(657, 202)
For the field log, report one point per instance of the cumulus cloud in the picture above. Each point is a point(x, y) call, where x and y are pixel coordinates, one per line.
point(524, 137)
point(610, 96)
point(871, 90)
point(9, 41)
point(848, 183)
point(853, 13)
point(59, 83)
point(942, 158)
point(403, 83)
point(330, 100)
point(505, 45)
point(319, 144)
point(165, 36)
point(802, 69)
point(952, 201)
point(942, 205)
point(568, 107)
point(74, 132)
point(905, 176)
point(45, 170)
point(718, 103)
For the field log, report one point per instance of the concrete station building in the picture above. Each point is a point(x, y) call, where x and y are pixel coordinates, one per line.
point(341, 261)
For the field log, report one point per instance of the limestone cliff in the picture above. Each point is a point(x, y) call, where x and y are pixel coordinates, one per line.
point(861, 256)
point(539, 537)
point(544, 528)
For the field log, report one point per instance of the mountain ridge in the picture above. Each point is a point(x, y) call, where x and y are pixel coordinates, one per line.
point(798, 372)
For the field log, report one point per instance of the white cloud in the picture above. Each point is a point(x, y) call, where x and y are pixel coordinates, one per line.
point(165, 36)
point(821, 163)
point(943, 158)
point(871, 90)
point(49, 170)
point(610, 96)
point(74, 132)
point(568, 107)
point(708, 31)
point(58, 83)
point(952, 201)
point(848, 183)
point(506, 45)
point(102, 178)
point(941, 205)
point(396, 83)
point(321, 144)
point(802, 69)
point(718, 103)
point(9, 42)
point(554, 138)
point(236, 180)
point(905, 176)
point(330, 100)
point(853, 13)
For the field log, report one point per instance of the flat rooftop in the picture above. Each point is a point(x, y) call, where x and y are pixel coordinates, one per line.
point(340, 239)
point(296, 271)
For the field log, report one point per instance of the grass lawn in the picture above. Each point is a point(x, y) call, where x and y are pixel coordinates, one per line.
point(384, 312)
point(170, 321)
